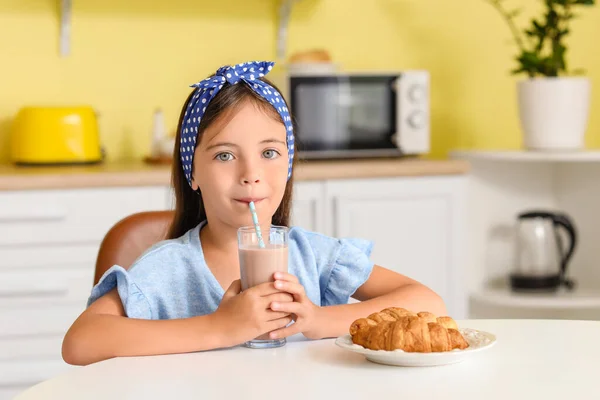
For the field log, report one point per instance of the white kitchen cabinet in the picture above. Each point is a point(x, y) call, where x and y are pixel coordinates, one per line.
point(49, 240)
point(416, 225)
point(308, 206)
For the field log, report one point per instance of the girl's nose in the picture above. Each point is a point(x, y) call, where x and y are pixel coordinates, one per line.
point(251, 171)
point(249, 179)
point(250, 175)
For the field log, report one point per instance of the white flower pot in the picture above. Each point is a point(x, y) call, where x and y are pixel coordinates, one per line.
point(554, 112)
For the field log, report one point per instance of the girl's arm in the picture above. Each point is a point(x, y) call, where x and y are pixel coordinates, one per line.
point(384, 288)
point(103, 331)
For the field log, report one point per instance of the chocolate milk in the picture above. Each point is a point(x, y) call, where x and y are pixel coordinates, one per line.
point(258, 265)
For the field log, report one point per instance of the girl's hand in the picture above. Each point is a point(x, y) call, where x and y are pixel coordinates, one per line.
point(244, 316)
point(305, 314)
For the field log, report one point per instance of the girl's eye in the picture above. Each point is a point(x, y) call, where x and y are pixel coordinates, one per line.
point(224, 156)
point(270, 153)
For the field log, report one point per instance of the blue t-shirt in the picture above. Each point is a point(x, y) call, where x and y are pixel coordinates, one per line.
point(171, 279)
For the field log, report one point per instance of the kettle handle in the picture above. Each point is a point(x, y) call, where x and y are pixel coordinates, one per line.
point(567, 224)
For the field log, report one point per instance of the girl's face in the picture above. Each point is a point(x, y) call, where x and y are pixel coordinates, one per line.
point(242, 160)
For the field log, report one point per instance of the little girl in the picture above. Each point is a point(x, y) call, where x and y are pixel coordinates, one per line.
point(235, 144)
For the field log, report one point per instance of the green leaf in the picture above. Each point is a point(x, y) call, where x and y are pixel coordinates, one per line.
point(528, 57)
point(578, 72)
point(584, 2)
point(557, 60)
point(548, 67)
point(515, 13)
point(552, 18)
point(529, 61)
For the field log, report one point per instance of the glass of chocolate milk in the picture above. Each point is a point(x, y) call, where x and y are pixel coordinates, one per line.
point(258, 264)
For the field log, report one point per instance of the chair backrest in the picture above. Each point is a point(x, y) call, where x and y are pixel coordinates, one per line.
point(130, 237)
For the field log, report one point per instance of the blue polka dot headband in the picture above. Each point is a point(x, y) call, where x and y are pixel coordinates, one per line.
point(248, 73)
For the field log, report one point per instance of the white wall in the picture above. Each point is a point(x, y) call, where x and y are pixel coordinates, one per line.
point(577, 190)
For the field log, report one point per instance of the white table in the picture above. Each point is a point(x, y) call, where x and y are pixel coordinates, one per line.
point(531, 360)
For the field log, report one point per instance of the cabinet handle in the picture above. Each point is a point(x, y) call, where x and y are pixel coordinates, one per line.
point(34, 292)
point(34, 215)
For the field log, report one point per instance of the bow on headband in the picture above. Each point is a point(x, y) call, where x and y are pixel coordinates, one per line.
point(207, 89)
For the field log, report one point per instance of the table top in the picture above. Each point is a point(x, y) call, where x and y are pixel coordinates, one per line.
point(549, 359)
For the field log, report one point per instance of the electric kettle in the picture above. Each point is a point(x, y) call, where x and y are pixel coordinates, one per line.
point(541, 256)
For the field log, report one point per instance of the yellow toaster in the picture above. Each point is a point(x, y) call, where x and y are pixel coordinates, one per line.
point(55, 135)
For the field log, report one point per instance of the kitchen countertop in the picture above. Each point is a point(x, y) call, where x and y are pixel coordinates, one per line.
point(143, 174)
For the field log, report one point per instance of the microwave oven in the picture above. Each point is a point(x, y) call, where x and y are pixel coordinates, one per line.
point(356, 115)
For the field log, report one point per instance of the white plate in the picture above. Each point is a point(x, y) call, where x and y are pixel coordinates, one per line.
point(478, 341)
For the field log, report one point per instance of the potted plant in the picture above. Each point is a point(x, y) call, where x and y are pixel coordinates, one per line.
point(553, 101)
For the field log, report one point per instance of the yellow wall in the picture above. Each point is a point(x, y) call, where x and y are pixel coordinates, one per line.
point(130, 57)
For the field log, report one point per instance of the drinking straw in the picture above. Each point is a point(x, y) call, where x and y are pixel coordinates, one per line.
point(261, 243)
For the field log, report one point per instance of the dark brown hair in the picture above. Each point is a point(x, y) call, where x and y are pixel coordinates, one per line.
point(189, 207)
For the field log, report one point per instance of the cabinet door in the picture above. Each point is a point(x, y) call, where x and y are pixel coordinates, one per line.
point(308, 206)
point(416, 225)
point(49, 241)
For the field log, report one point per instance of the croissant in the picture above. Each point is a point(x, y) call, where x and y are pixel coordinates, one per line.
point(397, 328)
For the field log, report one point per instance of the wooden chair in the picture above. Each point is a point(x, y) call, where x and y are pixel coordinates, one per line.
point(129, 238)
